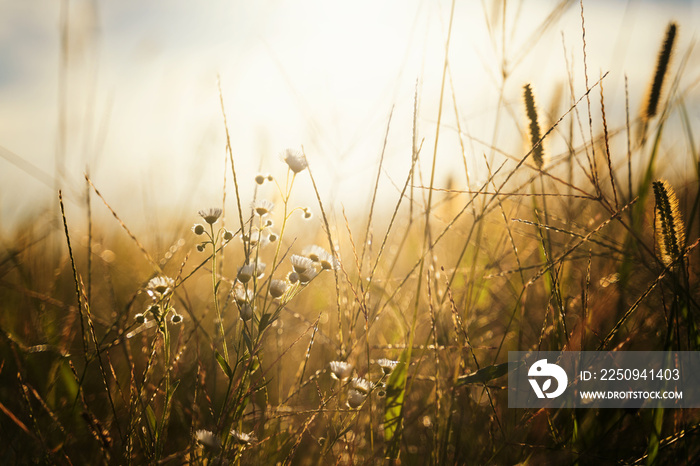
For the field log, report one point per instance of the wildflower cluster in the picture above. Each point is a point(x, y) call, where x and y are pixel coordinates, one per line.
point(222, 236)
point(359, 387)
point(160, 289)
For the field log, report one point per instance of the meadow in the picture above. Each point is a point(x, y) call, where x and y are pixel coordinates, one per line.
point(263, 330)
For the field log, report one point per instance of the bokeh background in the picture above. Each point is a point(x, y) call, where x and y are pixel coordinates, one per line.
point(128, 90)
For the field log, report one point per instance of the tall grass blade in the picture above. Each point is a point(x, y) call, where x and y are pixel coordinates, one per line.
point(393, 410)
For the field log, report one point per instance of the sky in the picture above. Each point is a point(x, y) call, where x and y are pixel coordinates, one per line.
point(132, 94)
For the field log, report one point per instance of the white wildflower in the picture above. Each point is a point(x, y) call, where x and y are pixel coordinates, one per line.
point(301, 264)
point(294, 159)
point(208, 439)
point(159, 287)
point(277, 288)
point(211, 215)
point(263, 207)
point(355, 398)
point(241, 438)
point(246, 311)
point(361, 384)
point(387, 365)
point(340, 370)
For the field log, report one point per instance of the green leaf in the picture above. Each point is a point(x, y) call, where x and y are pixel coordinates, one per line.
point(173, 387)
point(393, 408)
point(224, 365)
point(151, 418)
point(264, 321)
point(248, 342)
point(485, 374)
point(655, 436)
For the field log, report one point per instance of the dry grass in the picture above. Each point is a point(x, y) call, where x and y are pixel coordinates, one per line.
point(96, 367)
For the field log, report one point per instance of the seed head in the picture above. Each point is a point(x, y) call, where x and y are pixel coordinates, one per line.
point(260, 178)
point(670, 231)
point(176, 319)
point(537, 150)
point(140, 318)
point(198, 229)
point(661, 71)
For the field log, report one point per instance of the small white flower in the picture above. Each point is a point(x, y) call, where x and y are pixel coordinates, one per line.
point(292, 277)
point(277, 288)
point(295, 159)
point(159, 287)
point(307, 275)
point(248, 271)
point(301, 264)
point(208, 439)
point(211, 215)
point(243, 296)
point(340, 370)
point(387, 365)
point(314, 252)
point(263, 207)
point(355, 398)
point(255, 238)
point(246, 311)
point(241, 438)
point(324, 258)
point(361, 384)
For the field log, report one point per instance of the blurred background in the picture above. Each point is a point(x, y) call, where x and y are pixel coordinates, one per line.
point(128, 90)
